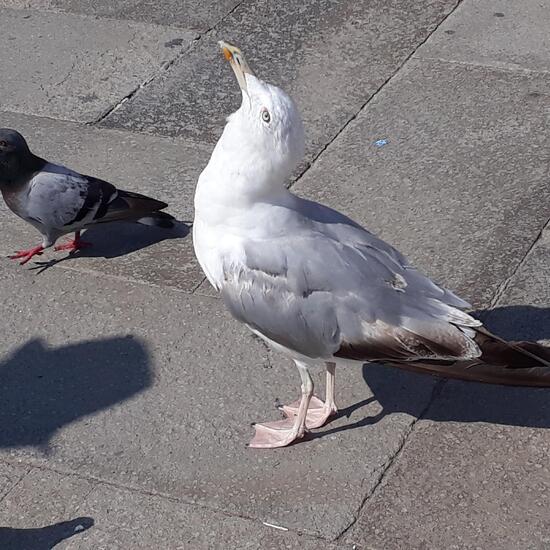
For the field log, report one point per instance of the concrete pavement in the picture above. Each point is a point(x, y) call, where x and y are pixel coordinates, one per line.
point(127, 391)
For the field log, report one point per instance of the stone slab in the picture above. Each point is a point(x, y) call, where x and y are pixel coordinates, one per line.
point(523, 310)
point(501, 33)
point(129, 519)
point(42, 511)
point(188, 14)
point(52, 509)
point(474, 473)
point(164, 168)
point(461, 187)
point(465, 485)
point(75, 67)
point(155, 389)
point(331, 56)
point(10, 476)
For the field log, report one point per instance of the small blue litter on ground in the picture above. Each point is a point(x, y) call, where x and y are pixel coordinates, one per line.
point(381, 142)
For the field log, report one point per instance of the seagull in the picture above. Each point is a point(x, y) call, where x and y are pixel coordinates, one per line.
point(57, 200)
point(317, 286)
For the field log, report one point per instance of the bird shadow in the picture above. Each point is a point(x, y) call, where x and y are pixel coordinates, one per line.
point(421, 395)
point(118, 239)
point(42, 538)
point(43, 389)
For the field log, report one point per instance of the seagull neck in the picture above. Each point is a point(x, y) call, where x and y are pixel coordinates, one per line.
point(229, 187)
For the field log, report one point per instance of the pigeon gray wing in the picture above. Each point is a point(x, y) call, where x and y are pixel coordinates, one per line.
point(62, 200)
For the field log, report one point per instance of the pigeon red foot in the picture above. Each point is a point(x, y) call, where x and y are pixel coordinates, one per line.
point(74, 245)
point(27, 254)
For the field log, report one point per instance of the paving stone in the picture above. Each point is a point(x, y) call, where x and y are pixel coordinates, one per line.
point(466, 485)
point(461, 187)
point(523, 312)
point(10, 476)
point(156, 389)
point(48, 71)
point(127, 519)
point(474, 473)
point(50, 509)
point(501, 33)
point(189, 14)
point(42, 511)
point(331, 56)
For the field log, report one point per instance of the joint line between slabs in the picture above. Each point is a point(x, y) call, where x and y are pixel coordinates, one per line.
point(316, 156)
point(503, 287)
point(165, 67)
point(96, 481)
point(438, 386)
point(17, 483)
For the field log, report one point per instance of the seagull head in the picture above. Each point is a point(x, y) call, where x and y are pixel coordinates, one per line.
point(265, 134)
point(16, 158)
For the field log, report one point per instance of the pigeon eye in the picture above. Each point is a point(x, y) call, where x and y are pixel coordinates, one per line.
point(3, 143)
point(266, 117)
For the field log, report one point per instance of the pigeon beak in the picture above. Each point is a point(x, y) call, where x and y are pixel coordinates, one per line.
point(238, 63)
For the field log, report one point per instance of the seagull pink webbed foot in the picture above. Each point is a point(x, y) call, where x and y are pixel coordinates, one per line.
point(318, 411)
point(317, 415)
point(27, 254)
point(279, 433)
point(306, 413)
point(74, 245)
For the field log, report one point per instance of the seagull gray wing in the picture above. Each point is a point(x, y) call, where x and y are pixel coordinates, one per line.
point(329, 288)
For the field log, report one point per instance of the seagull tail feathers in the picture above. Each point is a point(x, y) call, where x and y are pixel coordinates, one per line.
point(501, 362)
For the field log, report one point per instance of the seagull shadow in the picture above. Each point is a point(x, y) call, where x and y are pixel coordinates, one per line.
point(42, 538)
point(43, 389)
point(118, 239)
point(400, 391)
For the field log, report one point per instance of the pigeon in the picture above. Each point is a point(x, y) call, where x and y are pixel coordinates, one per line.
point(57, 200)
point(317, 286)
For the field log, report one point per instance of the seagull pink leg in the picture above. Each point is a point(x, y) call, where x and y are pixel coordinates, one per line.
point(27, 254)
point(75, 244)
point(318, 412)
point(270, 435)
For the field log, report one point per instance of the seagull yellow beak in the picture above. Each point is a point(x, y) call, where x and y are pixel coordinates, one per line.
point(238, 63)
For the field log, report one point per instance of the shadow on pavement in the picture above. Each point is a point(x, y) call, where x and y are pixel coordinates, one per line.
point(517, 322)
point(118, 239)
point(42, 389)
point(42, 538)
point(401, 391)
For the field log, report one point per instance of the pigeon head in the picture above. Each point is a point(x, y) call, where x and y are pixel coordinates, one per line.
point(16, 159)
point(266, 131)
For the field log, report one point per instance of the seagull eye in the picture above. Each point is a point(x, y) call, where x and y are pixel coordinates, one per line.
point(266, 117)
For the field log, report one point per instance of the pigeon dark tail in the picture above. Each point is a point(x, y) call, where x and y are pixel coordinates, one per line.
point(158, 219)
point(501, 362)
point(138, 208)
